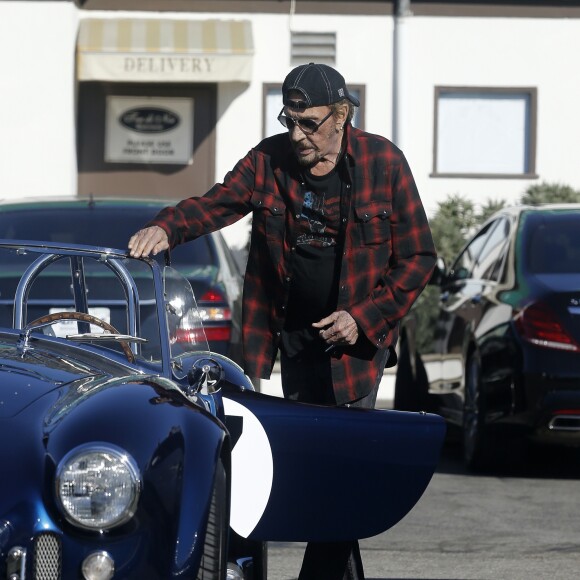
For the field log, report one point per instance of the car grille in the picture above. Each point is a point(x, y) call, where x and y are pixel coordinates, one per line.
point(47, 557)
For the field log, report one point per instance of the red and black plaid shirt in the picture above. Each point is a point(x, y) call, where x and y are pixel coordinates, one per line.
point(388, 252)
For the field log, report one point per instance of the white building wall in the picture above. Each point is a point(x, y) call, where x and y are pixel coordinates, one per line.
point(37, 87)
point(37, 139)
point(494, 52)
point(359, 40)
point(43, 96)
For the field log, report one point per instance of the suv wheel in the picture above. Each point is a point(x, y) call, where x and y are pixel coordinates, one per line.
point(476, 445)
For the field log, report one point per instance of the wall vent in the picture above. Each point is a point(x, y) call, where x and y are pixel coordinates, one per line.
point(319, 47)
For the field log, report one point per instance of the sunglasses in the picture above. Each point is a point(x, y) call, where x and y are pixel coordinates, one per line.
point(307, 126)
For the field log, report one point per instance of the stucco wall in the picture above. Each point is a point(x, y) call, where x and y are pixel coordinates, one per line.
point(37, 139)
point(37, 88)
point(495, 52)
point(359, 41)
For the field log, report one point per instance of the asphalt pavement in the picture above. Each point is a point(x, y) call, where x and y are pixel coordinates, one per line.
point(519, 523)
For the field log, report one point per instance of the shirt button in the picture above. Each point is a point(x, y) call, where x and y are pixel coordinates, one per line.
point(343, 220)
point(287, 278)
point(297, 216)
point(278, 333)
point(348, 185)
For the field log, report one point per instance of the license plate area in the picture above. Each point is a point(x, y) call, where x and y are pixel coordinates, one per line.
point(63, 328)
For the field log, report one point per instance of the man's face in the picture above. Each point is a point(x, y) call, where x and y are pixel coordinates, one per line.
point(322, 144)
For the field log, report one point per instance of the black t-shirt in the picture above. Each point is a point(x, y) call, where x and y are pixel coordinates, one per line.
point(314, 286)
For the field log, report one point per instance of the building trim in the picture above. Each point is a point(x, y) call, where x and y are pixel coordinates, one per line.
point(340, 7)
point(450, 8)
point(496, 9)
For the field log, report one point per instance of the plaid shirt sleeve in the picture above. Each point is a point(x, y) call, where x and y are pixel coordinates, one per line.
point(406, 267)
point(222, 205)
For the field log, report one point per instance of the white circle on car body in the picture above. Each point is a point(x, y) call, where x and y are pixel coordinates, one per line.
point(252, 471)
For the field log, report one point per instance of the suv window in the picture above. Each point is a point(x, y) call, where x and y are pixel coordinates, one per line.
point(489, 261)
point(463, 265)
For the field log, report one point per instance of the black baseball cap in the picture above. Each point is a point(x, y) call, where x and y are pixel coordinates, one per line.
point(319, 84)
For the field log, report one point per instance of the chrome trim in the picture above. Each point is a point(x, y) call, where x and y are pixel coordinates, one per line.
point(564, 423)
point(16, 564)
point(123, 456)
point(79, 287)
point(24, 286)
point(101, 555)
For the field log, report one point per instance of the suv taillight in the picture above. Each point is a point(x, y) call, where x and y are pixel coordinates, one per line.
point(213, 312)
point(538, 324)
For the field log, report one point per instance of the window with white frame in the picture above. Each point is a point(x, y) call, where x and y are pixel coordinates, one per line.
point(485, 132)
point(272, 104)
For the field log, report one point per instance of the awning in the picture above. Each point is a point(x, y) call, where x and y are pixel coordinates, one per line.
point(164, 50)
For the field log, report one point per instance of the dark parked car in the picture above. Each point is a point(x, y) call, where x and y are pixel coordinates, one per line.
point(504, 356)
point(130, 451)
point(207, 262)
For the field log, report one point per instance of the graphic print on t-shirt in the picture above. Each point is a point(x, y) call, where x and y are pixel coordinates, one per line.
point(313, 211)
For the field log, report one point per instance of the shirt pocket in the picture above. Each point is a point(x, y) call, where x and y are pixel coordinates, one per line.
point(374, 222)
point(268, 215)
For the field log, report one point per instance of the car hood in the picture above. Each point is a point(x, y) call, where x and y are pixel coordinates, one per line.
point(28, 375)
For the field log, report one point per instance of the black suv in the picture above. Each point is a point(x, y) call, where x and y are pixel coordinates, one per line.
point(502, 355)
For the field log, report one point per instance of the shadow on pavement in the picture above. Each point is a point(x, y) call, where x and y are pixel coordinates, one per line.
point(518, 459)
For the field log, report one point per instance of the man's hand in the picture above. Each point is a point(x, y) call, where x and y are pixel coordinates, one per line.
point(338, 328)
point(148, 241)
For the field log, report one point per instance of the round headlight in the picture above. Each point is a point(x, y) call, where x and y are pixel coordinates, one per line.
point(98, 566)
point(98, 486)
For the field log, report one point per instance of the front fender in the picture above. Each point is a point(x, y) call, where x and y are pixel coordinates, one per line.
point(175, 445)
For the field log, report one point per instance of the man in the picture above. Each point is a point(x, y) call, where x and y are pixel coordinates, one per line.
point(340, 249)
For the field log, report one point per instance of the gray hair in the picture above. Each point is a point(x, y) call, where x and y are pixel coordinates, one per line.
point(351, 109)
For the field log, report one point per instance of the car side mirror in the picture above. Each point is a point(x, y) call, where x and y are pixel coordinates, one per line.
point(205, 376)
point(439, 273)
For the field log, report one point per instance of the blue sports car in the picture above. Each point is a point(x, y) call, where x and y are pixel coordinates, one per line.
point(129, 450)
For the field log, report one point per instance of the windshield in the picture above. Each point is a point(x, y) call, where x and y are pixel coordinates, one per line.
point(184, 323)
point(43, 290)
point(108, 300)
